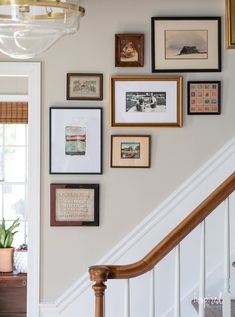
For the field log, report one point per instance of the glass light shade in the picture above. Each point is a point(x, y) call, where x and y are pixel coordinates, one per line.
point(29, 27)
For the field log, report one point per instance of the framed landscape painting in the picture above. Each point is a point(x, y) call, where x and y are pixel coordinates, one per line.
point(186, 44)
point(75, 140)
point(146, 101)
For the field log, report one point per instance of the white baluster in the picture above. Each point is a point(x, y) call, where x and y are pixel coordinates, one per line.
point(152, 294)
point(202, 283)
point(227, 294)
point(177, 281)
point(127, 299)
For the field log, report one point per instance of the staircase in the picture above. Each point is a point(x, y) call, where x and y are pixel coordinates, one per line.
point(146, 268)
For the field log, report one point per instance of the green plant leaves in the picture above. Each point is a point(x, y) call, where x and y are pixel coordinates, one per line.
point(7, 235)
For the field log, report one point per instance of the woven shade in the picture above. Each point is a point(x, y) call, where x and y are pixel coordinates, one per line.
point(14, 112)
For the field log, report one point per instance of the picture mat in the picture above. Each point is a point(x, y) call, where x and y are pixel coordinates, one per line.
point(123, 162)
point(89, 163)
point(83, 79)
point(170, 115)
point(162, 25)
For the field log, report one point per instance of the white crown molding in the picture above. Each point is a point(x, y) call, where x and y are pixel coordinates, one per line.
point(215, 170)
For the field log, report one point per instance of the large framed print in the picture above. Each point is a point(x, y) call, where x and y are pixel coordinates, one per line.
point(186, 44)
point(74, 204)
point(75, 140)
point(146, 101)
point(230, 23)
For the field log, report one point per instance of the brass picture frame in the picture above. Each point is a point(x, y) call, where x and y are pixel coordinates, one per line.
point(230, 23)
point(146, 101)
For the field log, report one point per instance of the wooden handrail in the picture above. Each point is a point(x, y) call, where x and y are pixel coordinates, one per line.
point(98, 272)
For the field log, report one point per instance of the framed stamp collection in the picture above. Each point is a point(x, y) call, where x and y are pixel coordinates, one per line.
point(178, 44)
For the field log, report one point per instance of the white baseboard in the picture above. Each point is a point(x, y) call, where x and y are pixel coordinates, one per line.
point(207, 178)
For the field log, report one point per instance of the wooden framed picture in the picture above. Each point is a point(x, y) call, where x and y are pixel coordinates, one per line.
point(130, 150)
point(146, 101)
point(204, 97)
point(74, 204)
point(230, 23)
point(186, 44)
point(75, 140)
point(129, 50)
point(84, 86)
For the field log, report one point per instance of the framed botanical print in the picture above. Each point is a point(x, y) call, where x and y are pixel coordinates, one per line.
point(130, 150)
point(84, 86)
point(186, 44)
point(74, 204)
point(75, 140)
point(146, 101)
point(204, 97)
point(129, 50)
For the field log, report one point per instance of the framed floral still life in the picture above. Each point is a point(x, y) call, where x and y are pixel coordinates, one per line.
point(204, 97)
point(186, 44)
point(146, 101)
point(129, 50)
point(75, 140)
point(74, 204)
point(84, 86)
point(130, 150)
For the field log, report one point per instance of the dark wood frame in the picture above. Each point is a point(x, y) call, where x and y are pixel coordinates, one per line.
point(129, 37)
point(135, 136)
point(230, 24)
point(100, 78)
point(179, 81)
point(54, 222)
point(219, 96)
point(217, 69)
point(101, 140)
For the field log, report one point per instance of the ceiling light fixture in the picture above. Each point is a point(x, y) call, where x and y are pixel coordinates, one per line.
point(30, 27)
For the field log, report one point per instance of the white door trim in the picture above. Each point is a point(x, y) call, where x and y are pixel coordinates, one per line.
point(32, 71)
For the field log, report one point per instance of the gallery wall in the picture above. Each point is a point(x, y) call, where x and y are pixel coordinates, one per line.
point(127, 196)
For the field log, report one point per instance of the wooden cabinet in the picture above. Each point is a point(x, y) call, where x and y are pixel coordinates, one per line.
point(13, 295)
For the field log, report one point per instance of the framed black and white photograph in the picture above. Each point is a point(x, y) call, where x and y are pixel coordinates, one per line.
point(147, 101)
point(186, 44)
point(75, 140)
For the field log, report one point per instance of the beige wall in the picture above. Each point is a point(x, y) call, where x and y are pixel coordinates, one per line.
point(127, 195)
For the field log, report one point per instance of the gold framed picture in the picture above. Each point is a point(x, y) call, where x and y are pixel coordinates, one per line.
point(230, 23)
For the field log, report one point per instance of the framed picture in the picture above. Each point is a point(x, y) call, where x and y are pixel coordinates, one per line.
point(204, 97)
point(75, 140)
point(186, 44)
point(230, 23)
point(129, 50)
point(146, 101)
point(130, 150)
point(74, 205)
point(84, 86)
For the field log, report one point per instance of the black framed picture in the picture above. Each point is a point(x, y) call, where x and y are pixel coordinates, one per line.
point(204, 97)
point(186, 44)
point(75, 140)
point(74, 204)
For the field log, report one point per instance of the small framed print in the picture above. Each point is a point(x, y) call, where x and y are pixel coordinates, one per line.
point(84, 86)
point(74, 204)
point(130, 150)
point(204, 97)
point(129, 50)
point(186, 44)
point(230, 23)
point(146, 101)
point(75, 140)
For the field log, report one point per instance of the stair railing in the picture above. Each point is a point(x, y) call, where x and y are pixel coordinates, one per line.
point(101, 273)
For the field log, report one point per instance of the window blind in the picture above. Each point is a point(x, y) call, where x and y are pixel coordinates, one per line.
point(14, 112)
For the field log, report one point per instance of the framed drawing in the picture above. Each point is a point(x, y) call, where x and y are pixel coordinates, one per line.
point(75, 140)
point(146, 101)
point(74, 205)
point(130, 150)
point(129, 50)
point(186, 44)
point(204, 97)
point(84, 86)
point(230, 23)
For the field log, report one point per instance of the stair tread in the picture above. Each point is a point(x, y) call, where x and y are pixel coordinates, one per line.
point(213, 308)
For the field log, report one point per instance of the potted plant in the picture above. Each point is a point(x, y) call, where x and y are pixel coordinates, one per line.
point(6, 249)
